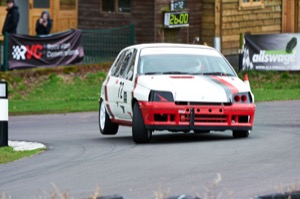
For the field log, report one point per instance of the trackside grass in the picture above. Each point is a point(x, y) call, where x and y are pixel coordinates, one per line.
point(77, 88)
point(7, 154)
point(274, 85)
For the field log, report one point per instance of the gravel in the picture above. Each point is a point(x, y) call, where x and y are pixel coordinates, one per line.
point(25, 146)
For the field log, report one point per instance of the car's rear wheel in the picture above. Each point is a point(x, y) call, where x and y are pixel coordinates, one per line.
point(241, 133)
point(105, 125)
point(139, 132)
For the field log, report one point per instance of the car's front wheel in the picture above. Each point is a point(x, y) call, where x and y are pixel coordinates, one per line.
point(240, 134)
point(105, 125)
point(139, 132)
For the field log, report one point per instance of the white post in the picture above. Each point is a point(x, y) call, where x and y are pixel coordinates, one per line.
point(3, 114)
point(171, 5)
point(217, 43)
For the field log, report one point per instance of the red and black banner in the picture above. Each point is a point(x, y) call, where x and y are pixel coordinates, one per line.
point(271, 52)
point(26, 51)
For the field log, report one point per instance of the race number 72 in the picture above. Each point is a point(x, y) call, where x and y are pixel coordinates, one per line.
point(120, 90)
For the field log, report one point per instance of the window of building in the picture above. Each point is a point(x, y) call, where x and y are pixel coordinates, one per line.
point(108, 6)
point(41, 4)
point(117, 6)
point(251, 4)
point(124, 5)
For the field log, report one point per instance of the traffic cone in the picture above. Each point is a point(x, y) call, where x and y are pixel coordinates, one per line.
point(246, 81)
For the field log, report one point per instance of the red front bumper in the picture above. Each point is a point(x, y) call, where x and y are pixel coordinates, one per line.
point(169, 116)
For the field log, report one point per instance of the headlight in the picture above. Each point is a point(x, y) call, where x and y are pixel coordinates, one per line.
point(244, 98)
point(160, 96)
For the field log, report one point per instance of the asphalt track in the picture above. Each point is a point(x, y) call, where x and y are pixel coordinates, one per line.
point(79, 159)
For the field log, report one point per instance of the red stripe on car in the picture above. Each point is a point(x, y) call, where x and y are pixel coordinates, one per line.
point(110, 112)
point(106, 95)
point(182, 77)
point(226, 83)
point(135, 84)
point(106, 99)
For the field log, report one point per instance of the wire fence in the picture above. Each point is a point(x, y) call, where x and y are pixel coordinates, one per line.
point(104, 45)
point(99, 45)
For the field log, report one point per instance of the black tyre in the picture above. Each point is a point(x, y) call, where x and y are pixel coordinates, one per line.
point(201, 131)
point(139, 132)
point(105, 125)
point(241, 134)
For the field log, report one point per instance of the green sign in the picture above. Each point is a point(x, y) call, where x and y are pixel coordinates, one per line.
point(176, 19)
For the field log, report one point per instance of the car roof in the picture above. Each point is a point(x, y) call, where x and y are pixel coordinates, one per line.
point(178, 45)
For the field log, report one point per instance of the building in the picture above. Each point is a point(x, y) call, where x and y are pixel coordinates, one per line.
point(207, 19)
point(146, 15)
point(64, 14)
point(228, 19)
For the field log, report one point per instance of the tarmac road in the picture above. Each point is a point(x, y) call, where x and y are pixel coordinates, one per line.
point(79, 159)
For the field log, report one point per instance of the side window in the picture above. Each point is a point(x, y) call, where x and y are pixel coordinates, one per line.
point(130, 68)
point(125, 63)
point(116, 68)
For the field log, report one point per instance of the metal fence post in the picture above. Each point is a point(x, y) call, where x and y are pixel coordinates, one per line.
point(3, 114)
point(241, 52)
point(5, 64)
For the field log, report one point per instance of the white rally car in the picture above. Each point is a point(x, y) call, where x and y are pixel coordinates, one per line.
point(174, 87)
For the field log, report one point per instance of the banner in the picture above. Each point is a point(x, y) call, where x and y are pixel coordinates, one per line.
point(271, 52)
point(45, 51)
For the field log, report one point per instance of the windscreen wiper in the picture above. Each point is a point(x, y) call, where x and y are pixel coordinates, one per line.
point(153, 73)
point(175, 73)
point(218, 74)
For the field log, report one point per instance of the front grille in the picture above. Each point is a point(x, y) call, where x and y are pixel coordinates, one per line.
point(203, 118)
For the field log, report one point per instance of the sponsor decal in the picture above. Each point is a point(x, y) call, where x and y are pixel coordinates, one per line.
point(19, 52)
point(271, 52)
point(53, 50)
point(270, 56)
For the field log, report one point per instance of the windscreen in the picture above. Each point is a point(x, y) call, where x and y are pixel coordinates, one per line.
point(183, 61)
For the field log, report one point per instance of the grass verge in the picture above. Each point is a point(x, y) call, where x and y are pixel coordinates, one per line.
point(76, 89)
point(274, 85)
point(8, 154)
point(55, 90)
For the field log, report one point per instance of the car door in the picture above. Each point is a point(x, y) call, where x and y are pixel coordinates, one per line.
point(126, 85)
point(113, 85)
